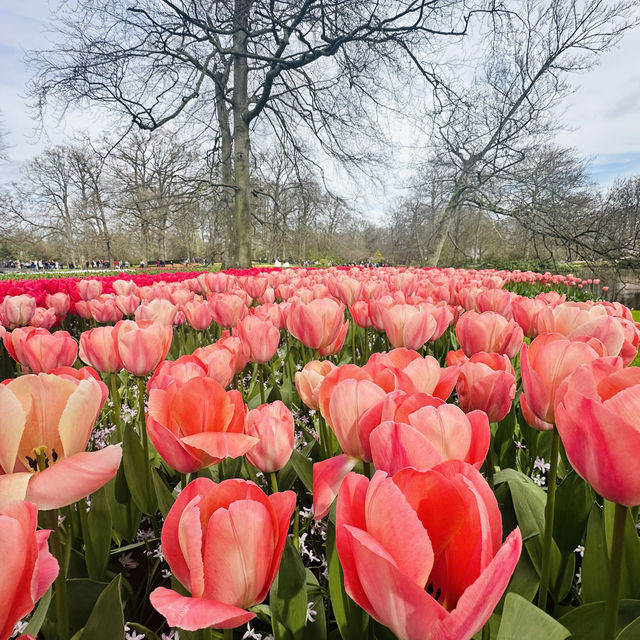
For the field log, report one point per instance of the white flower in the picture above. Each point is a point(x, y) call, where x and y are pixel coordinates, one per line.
point(127, 561)
point(311, 613)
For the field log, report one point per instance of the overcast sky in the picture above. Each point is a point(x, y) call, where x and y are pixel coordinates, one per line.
point(603, 113)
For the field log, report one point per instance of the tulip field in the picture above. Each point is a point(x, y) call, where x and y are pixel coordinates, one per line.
point(318, 454)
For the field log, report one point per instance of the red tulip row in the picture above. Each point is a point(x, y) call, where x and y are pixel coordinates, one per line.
point(418, 531)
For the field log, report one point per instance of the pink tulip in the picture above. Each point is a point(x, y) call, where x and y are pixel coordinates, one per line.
point(424, 576)
point(46, 351)
point(272, 424)
point(223, 542)
point(16, 311)
point(598, 419)
point(308, 380)
point(124, 287)
point(318, 324)
point(487, 382)
point(433, 434)
point(45, 425)
point(89, 289)
point(235, 345)
point(43, 318)
point(490, 332)
point(260, 338)
point(219, 362)
point(59, 302)
point(98, 349)
point(180, 370)
point(104, 310)
point(525, 313)
point(28, 569)
point(127, 304)
point(158, 310)
point(227, 309)
point(141, 346)
point(198, 314)
point(15, 340)
point(548, 360)
point(408, 326)
point(196, 423)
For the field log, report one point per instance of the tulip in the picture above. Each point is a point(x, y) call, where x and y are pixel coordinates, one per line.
point(227, 309)
point(43, 318)
point(180, 370)
point(408, 326)
point(487, 382)
point(237, 348)
point(127, 304)
point(490, 332)
point(272, 424)
point(59, 302)
point(45, 425)
point(255, 286)
point(124, 287)
point(223, 542)
point(599, 423)
point(83, 373)
point(197, 423)
point(198, 314)
point(45, 351)
point(104, 310)
point(431, 435)
point(98, 349)
point(219, 361)
point(141, 346)
point(260, 338)
point(28, 569)
point(318, 324)
point(16, 311)
point(525, 313)
point(423, 576)
point(158, 310)
point(89, 289)
point(308, 380)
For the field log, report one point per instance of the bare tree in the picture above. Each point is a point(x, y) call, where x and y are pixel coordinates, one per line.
point(236, 66)
point(483, 131)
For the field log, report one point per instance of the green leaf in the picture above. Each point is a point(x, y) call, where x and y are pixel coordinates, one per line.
point(316, 629)
point(587, 622)
point(574, 499)
point(106, 621)
point(631, 631)
point(630, 575)
point(163, 494)
point(351, 619)
point(595, 563)
point(135, 470)
point(125, 516)
point(96, 531)
point(304, 468)
point(288, 596)
point(39, 615)
point(522, 620)
point(149, 635)
point(82, 595)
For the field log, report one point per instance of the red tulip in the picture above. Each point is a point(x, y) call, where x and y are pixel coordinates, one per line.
point(490, 332)
point(98, 349)
point(272, 424)
point(424, 576)
point(548, 360)
point(224, 543)
point(141, 346)
point(45, 425)
point(28, 569)
point(260, 338)
point(487, 382)
point(197, 423)
point(598, 419)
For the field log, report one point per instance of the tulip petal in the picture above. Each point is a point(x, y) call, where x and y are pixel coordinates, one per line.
point(480, 438)
point(190, 541)
point(13, 487)
point(397, 602)
point(173, 452)
point(73, 478)
point(46, 568)
point(12, 423)
point(327, 478)
point(79, 414)
point(192, 614)
point(480, 599)
point(15, 565)
point(221, 445)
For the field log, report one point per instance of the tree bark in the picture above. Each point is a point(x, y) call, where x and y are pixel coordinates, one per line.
point(241, 142)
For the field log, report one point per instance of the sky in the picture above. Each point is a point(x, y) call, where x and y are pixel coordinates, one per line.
point(602, 114)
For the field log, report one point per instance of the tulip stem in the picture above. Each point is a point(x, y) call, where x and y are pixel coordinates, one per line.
point(613, 598)
point(261, 369)
point(274, 481)
point(228, 634)
point(57, 548)
point(548, 522)
point(145, 444)
point(353, 343)
point(115, 398)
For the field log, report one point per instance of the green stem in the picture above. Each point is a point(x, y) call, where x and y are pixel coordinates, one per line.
point(145, 440)
point(228, 634)
point(548, 522)
point(353, 342)
point(274, 481)
point(489, 459)
point(613, 598)
point(486, 631)
point(60, 586)
point(115, 398)
point(261, 369)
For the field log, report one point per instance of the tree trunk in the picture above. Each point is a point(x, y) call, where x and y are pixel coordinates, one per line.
point(241, 143)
